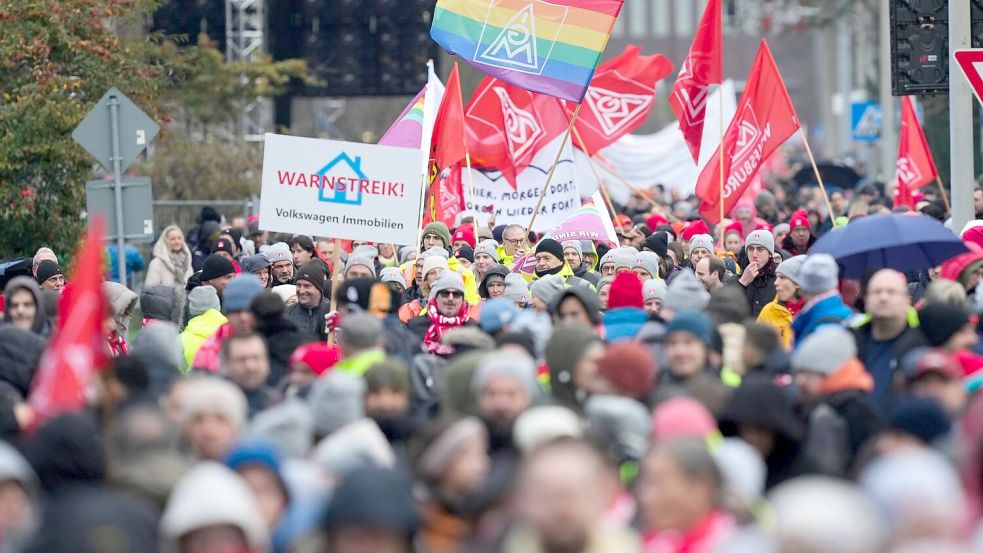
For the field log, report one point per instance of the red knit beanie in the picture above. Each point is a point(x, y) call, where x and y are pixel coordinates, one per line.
point(656, 219)
point(694, 228)
point(628, 365)
point(799, 219)
point(626, 291)
point(318, 357)
point(464, 233)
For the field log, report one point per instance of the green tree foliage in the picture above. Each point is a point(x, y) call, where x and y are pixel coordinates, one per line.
point(57, 58)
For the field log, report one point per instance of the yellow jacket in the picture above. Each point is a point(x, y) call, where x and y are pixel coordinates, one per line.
point(470, 282)
point(504, 258)
point(778, 316)
point(198, 330)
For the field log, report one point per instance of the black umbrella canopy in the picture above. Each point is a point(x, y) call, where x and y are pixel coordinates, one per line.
point(834, 175)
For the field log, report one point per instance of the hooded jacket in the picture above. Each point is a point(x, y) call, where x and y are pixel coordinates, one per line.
point(500, 270)
point(20, 353)
point(586, 296)
point(777, 316)
point(161, 302)
point(41, 326)
point(957, 268)
point(198, 330)
point(122, 301)
point(829, 310)
point(161, 269)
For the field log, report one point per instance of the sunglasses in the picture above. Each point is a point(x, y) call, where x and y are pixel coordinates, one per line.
point(450, 294)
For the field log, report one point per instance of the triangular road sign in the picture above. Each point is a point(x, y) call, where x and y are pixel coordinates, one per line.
point(971, 62)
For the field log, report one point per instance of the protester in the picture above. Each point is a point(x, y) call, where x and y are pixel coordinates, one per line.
point(50, 276)
point(758, 278)
point(281, 263)
point(312, 305)
point(788, 302)
point(818, 281)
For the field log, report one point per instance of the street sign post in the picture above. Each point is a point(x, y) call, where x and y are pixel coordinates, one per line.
point(138, 217)
point(866, 120)
point(115, 132)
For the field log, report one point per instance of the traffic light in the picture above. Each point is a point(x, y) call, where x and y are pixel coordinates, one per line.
point(920, 47)
point(367, 47)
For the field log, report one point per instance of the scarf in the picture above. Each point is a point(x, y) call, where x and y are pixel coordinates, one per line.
point(179, 263)
point(795, 306)
point(552, 271)
point(439, 324)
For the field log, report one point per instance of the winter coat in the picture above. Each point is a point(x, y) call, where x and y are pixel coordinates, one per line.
point(789, 246)
point(706, 536)
point(586, 296)
point(841, 420)
point(161, 269)
point(123, 302)
point(623, 323)
point(889, 388)
point(590, 276)
point(20, 353)
point(199, 329)
point(760, 403)
point(358, 364)
point(159, 346)
point(777, 316)
point(134, 262)
point(705, 387)
point(162, 302)
point(828, 310)
point(282, 338)
point(761, 290)
point(41, 325)
point(310, 322)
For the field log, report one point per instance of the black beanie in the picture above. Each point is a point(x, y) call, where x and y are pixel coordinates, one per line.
point(548, 245)
point(216, 266)
point(48, 269)
point(465, 252)
point(315, 273)
point(658, 243)
point(223, 245)
point(939, 322)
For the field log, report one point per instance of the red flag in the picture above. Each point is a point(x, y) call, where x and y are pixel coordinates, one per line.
point(78, 348)
point(764, 120)
point(508, 125)
point(446, 199)
point(619, 99)
point(703, 66)
point(902, 196)
point(915, 168)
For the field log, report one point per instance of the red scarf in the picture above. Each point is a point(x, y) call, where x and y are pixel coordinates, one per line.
point(795, 306)
point(441, 324)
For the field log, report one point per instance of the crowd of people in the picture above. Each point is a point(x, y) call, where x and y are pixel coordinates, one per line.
point(687, 390)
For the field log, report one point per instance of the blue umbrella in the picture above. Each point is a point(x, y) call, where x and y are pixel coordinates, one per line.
point(895, 241)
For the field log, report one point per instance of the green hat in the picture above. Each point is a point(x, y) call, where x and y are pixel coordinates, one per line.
point(440, 230)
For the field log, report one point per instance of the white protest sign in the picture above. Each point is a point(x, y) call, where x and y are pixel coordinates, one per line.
point(493, 192)
point(340, 189)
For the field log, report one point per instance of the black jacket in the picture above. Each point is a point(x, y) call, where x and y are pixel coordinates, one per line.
point(282, 338)
point(310, 322)
point(761, 290)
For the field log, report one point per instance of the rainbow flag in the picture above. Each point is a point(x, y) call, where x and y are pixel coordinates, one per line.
point(407, 130)
point(550, 47)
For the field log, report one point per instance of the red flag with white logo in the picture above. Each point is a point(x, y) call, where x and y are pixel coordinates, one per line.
point(703, 66)
point(619, 99)
point(764, 120)
point(446, 198)
point(902, 196)
point(77, 350)
point(508, 125)
point(915, 168)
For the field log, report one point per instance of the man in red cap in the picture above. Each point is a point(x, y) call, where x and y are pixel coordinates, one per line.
point(800, 237)
point(692, 229)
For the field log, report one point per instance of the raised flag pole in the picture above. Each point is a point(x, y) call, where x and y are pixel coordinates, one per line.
point(335, 282)
point(720, 93)
point(423, 207)
point(945, 197)
point(474, 201)
point(556, 160)
point(597, 176)
point(819, 178)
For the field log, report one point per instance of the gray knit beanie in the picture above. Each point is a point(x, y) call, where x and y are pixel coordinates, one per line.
point(825, 350)
point(686, 293)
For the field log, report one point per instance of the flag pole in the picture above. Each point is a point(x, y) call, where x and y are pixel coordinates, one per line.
point(819, 178)
point(474, 201)
point(335, 282)
point(423, 207)
point(945, 197)
point(556, 160)
point(720, 93)
point(597, 176)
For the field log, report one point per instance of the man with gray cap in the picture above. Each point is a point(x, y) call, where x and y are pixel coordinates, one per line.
point(485, 257)
point(206, 318)
point(504, 386)
point(818, 281)
point(446, 309)
point(758, 278)
point(833, 393)
point(573, 253)
point(258, 265)
point(281, 263)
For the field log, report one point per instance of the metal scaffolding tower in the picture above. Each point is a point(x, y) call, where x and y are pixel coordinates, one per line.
point(245, 21)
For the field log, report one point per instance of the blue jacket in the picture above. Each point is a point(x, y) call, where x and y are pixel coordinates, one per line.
point(623, 323)
point(831, 310)
point(134, 261)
